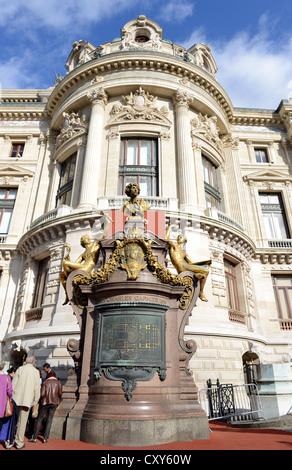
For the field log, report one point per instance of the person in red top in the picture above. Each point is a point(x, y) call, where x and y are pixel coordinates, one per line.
point(51, 394)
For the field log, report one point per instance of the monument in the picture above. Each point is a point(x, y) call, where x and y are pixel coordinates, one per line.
point(131, 384)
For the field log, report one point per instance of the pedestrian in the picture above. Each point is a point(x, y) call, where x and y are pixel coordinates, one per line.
point(11, 372)
point(33, 411)
point(26, 393)
point(51, 394)
point(47, 368)
point(5, 391)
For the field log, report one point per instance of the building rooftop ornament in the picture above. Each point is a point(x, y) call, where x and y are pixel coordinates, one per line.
point(141, 34)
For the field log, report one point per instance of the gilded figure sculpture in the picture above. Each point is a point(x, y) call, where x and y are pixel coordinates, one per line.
point(87, 260)
point(182, 262)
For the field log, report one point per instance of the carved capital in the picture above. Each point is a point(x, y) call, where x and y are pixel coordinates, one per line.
point(182, 98)
point(98, 96)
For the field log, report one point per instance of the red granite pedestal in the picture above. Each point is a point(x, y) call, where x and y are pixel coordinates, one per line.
point(124, 402)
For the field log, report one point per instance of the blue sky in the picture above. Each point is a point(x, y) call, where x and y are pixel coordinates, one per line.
point(251, 40)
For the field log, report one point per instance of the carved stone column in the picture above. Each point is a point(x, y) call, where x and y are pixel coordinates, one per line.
point(185, 159)
point(91, 168)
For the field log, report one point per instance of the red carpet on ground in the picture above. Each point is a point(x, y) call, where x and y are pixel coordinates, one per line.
point(222, 437)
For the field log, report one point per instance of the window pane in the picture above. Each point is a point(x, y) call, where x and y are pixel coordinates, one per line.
point(280, 231)
point(132, 153)
point(5, 218)
point(231, 284)
point(41, 283)
point(274, 198)
point(3, 193)
point(261, 155)
point(145, 186)
point(12, 194)
point(68, 167)
point(17, 149)
point(145, 152)
point(264, 198)
point(283, 300)
point(282, 281)
point(8, 193)
point(283, 295)
point(269, 226)
point(130, 179)
point(72, 168)
point(205, 170)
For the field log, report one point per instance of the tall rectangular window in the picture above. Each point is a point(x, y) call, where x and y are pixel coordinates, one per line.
point(274, 216)
point(138, 164)
point(231, 284)
point(7, 200)
point(64, 194)
point(17, 150)
point(212, 192)
point(41, 283)
point(283, 295)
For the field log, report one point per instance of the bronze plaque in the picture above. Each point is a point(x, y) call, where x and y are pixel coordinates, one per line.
point(131, 335)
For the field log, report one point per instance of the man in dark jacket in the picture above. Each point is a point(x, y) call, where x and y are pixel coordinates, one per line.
point(51, 394)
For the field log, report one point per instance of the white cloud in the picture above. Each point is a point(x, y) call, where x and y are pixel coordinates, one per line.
point(20, 71)
point(254, 70)
point(176, 10)
point(59, 14)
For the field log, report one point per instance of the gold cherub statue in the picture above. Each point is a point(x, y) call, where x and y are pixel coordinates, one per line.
point(182, 262)
point(87, 260)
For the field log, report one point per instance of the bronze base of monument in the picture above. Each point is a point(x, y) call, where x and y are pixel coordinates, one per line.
point(134, 383)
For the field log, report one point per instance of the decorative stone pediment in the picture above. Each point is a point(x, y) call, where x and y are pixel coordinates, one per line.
point(139, 106)
point(11, 171)
point(73, 125)
point(267, 176)
point(206, 128)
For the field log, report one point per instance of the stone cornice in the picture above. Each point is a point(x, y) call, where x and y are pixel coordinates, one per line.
point(24, 105)
point(7, 113)
point(256, 117)
point(41, 104)
point(139, 60)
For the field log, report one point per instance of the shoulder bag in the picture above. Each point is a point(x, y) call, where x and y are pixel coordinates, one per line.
point(9, 406)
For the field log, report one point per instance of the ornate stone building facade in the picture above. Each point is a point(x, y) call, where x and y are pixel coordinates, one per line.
point(141, 108)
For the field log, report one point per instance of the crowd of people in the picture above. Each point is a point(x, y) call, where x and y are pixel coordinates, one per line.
point(34, 401)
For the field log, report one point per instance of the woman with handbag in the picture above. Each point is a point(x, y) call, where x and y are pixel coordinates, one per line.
point(5, 397)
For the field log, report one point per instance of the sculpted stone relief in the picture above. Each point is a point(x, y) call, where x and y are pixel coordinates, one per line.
point(206, 127)
point(140, 105)
point(74, 124)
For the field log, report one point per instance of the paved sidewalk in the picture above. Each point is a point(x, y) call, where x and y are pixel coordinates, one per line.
point(222, 437)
